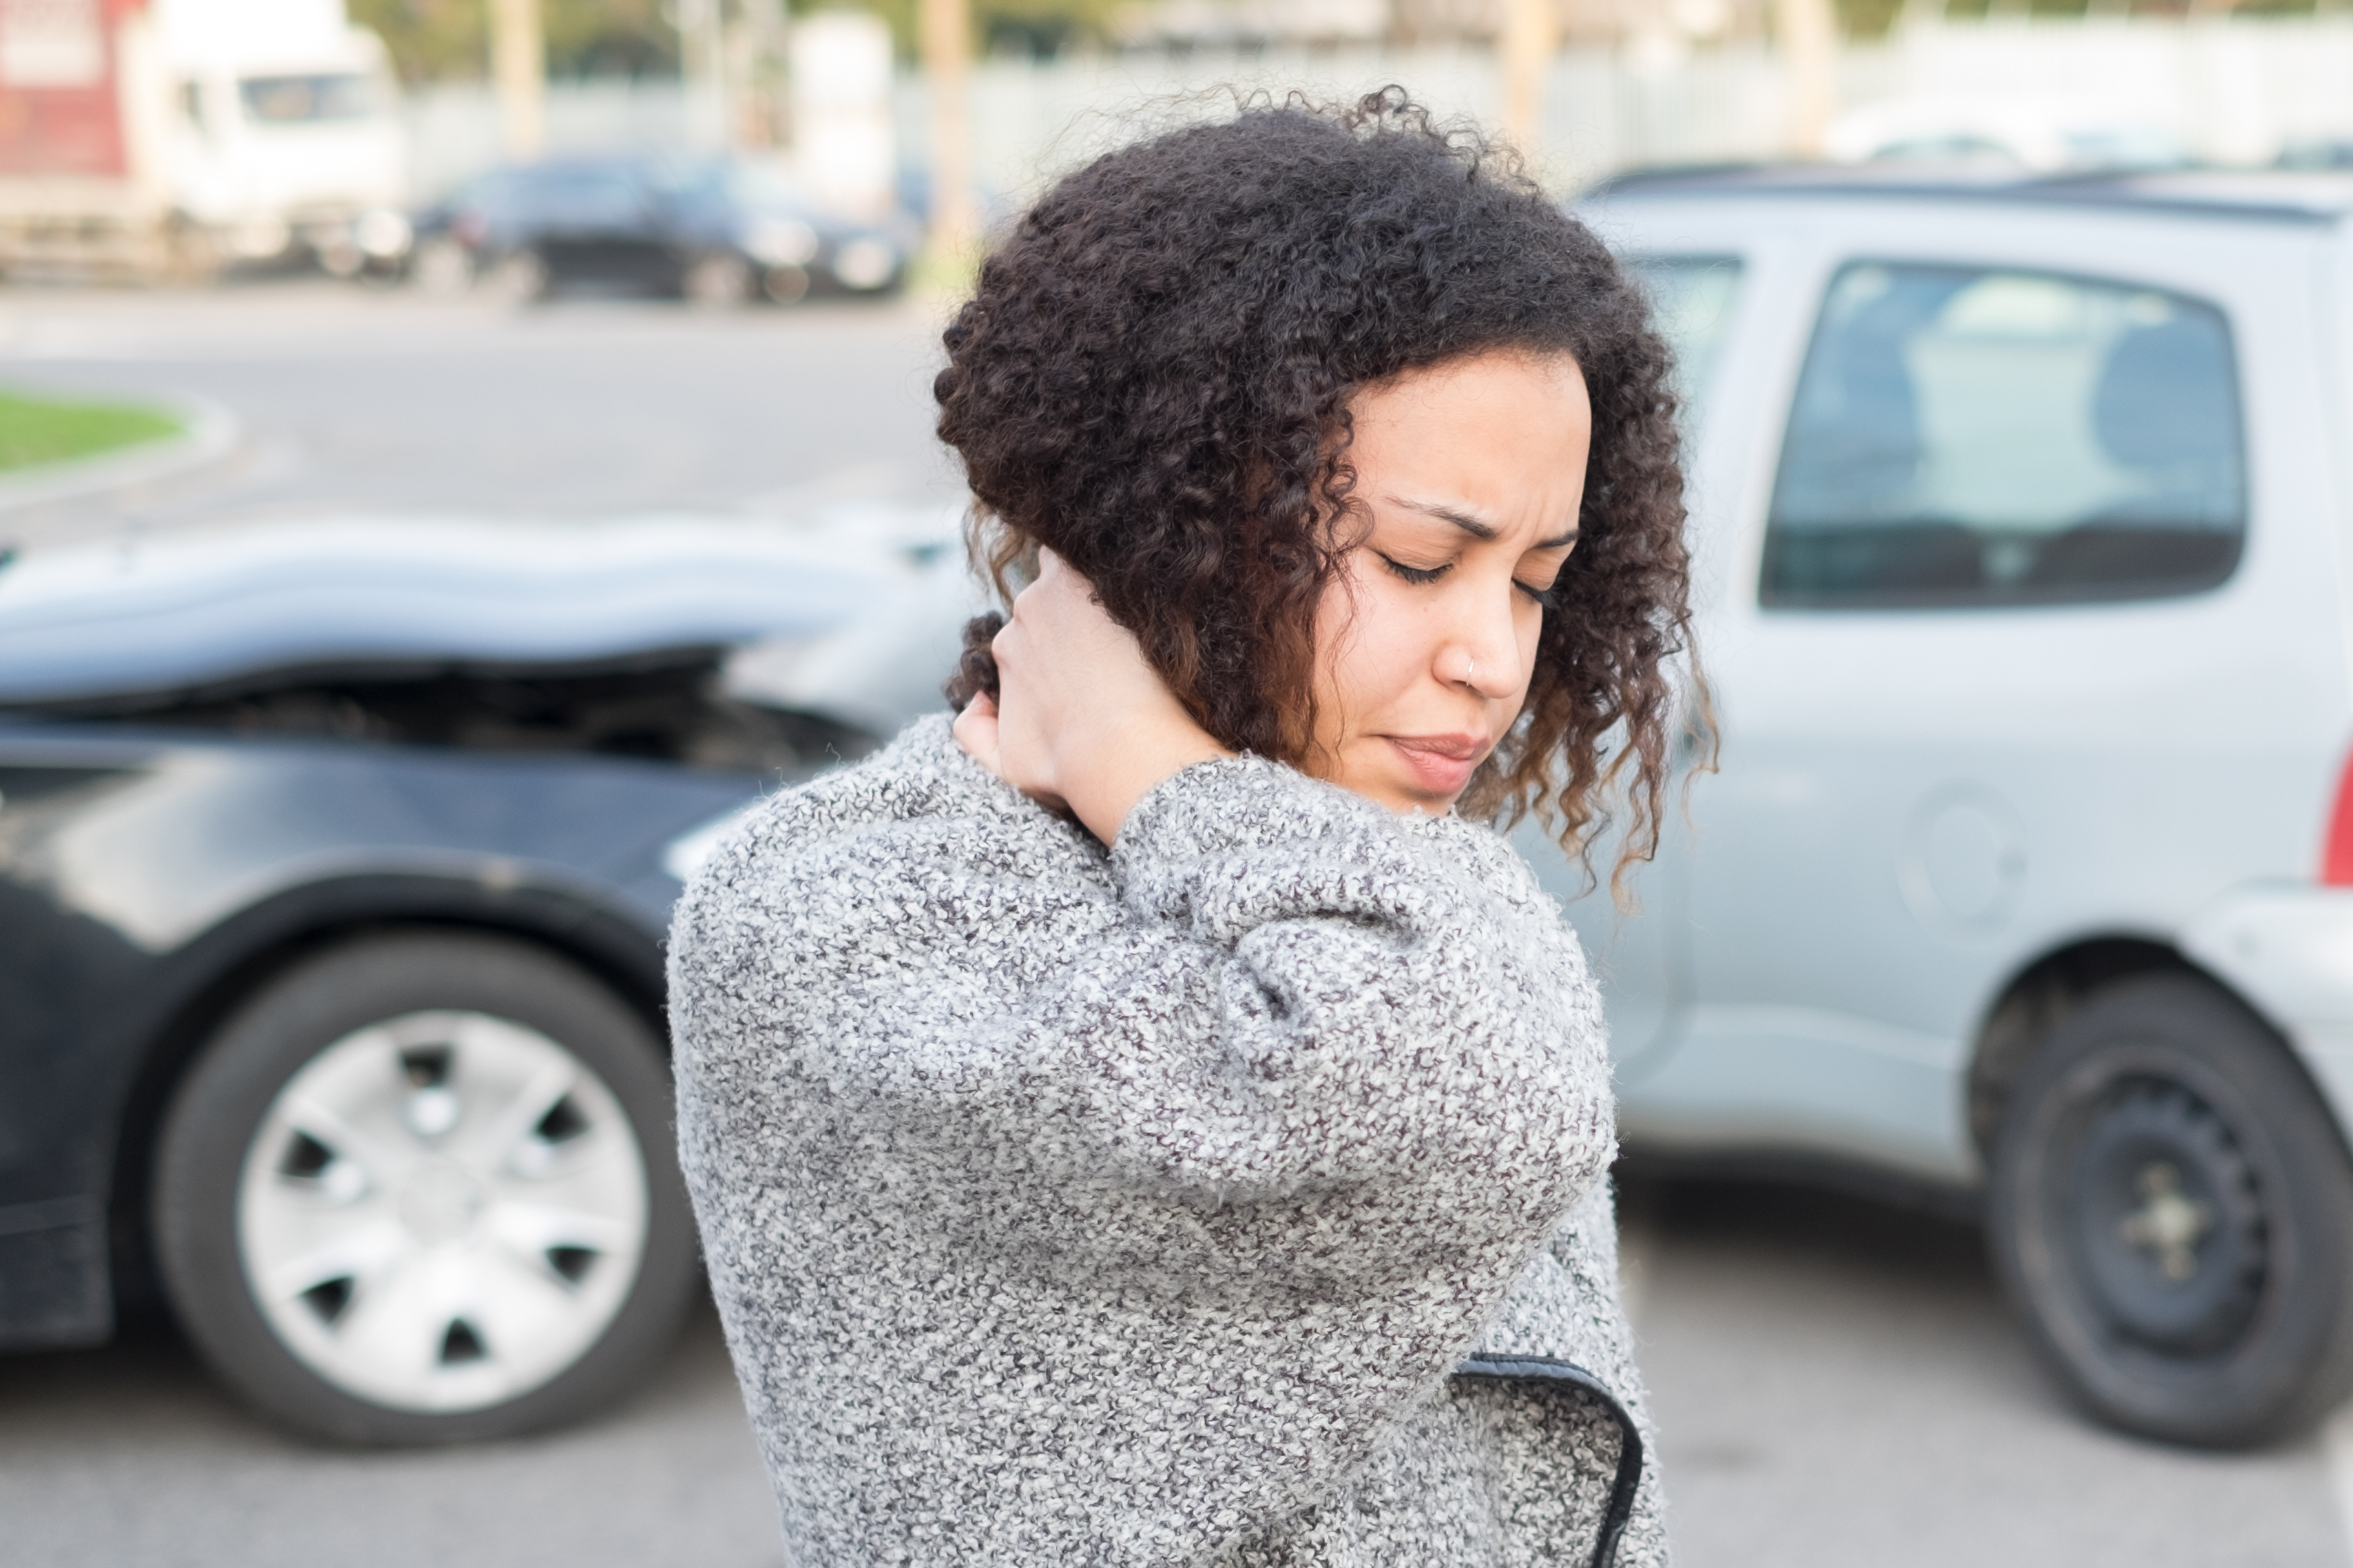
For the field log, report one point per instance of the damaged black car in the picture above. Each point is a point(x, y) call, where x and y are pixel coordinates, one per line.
point(336, 863)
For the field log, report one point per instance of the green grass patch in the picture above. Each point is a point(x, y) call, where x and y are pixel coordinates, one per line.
point(37, 430)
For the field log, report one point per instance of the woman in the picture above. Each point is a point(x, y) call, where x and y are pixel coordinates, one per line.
point(1158, 1121)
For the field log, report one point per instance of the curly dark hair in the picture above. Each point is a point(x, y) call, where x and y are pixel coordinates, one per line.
point(1153, 380)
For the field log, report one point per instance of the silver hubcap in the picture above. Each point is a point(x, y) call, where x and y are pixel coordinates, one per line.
point(442, 1212)
point(2168, 1223)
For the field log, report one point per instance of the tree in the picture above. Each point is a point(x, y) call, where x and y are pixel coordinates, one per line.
point(441, 40)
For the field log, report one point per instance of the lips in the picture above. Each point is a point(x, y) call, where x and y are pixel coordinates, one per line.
point(1442, 764)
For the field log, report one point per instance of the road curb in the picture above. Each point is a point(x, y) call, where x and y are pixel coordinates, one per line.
point(213, 432)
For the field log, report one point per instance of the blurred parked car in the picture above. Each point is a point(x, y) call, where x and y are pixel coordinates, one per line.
point(2074, 135)
point(717, 230)
point(2319, 153)
point(336, 863)
point(2022, 525)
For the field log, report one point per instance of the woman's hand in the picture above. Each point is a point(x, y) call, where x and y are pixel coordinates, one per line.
point(1081, 721)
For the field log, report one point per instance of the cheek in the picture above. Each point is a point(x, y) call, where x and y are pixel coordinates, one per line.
point(1367, 656)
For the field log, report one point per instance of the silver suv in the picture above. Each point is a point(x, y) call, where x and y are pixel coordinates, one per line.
point(2024, 518)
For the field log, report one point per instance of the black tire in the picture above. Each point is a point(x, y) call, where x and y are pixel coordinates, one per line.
point(520, 278)
point(219, 1109)
point(720, 281)
point(2171, 1211)
point(786, 285)
point(442, 267)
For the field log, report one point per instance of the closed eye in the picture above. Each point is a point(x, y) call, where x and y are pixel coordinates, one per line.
point(1548, 597)
point(1416, 573)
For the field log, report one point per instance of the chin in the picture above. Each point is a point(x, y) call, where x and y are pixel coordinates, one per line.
point(1404, 798)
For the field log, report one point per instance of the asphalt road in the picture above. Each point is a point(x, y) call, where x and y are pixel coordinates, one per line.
point(358, 401)
point(1836, 1384)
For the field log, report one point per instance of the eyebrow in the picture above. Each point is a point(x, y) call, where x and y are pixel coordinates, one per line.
point(1477, 528)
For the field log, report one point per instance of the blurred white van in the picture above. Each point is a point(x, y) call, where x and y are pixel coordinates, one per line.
point(176, 135)
point(2023, 513)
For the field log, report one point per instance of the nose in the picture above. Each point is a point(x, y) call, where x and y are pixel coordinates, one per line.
point(1480, 653)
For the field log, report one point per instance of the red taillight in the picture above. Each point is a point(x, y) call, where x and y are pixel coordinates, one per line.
point(2337, 859)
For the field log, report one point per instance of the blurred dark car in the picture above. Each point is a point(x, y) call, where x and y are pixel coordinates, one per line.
point(335, 864)
point(2319, 153)
point(715, 230)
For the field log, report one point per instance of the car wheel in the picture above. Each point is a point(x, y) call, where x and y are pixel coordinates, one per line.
point(192, 254)
point(720, 281)
point(421, 1189)
point(786, 285)
point(2172, 1208)
point(521, 277)
point(866, 266)
point(443, 266)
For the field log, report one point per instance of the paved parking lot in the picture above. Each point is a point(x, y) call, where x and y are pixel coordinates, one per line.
point(354, 400)
point(1837, 1384)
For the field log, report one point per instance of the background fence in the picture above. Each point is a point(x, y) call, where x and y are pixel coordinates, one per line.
point(2231, 89)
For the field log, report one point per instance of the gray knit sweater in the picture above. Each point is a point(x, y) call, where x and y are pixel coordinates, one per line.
point(1066, 1207)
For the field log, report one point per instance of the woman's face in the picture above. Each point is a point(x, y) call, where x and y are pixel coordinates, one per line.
point(1470, 473)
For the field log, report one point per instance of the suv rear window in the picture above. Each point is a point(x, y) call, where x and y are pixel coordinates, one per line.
point(1964, 437)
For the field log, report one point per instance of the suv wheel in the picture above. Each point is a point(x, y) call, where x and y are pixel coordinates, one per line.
point(421, 1189)
point(2172, 1209)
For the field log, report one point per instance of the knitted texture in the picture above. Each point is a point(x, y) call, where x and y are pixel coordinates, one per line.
point(1072, 1207)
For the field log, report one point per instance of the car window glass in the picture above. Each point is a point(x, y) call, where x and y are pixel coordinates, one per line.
point(764, 186)
point(486, 191)
point(296, 100)
point(583, 198)
point(1964, 437)
point(1691, 304)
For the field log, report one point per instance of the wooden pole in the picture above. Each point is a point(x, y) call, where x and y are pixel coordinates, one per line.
point(1525, 46)
point(1810, 51)
point(947, 71)
point(519, 65)
point(703, 62)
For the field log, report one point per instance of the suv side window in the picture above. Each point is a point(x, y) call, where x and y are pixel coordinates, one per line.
point(1965, 437)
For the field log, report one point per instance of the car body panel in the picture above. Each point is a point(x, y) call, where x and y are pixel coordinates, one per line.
point(2121, 765)
point(137, 871)
point(218, 750)
point(187, 612)
point(2290, 945)
point(643, 222)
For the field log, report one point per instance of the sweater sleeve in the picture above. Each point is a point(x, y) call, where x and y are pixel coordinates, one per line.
point(1202, 1165)
point(1306, 991)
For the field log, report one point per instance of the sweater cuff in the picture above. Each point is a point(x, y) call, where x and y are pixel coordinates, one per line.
point(1234, 804)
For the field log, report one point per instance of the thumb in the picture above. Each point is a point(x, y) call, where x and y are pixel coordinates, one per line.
point(977, 732)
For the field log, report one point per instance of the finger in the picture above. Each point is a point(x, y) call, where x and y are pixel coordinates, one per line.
point(977, 730)
point(1062, 605)
point(1006, 646)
